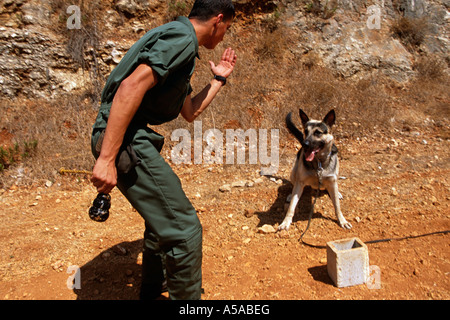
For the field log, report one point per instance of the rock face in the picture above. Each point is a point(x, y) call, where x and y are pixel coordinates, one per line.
point(40, 60)
point(352, 37)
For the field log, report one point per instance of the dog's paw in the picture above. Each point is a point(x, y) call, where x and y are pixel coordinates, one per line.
point(284, 226)
point(345, 224)
point(340, 196)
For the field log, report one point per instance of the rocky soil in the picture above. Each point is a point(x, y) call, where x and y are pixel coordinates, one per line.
point(394, 186)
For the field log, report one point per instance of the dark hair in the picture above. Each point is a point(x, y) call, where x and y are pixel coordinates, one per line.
point(205, 9)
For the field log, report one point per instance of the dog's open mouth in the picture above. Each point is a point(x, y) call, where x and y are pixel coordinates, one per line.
point(310, 154)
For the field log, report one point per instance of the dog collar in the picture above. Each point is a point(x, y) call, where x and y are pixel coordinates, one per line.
point(319, 165)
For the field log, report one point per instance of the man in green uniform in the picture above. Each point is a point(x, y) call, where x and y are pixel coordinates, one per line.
point(151, 85)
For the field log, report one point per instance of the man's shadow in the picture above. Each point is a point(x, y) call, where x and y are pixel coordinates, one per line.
point(277, 211)
point(112, 275)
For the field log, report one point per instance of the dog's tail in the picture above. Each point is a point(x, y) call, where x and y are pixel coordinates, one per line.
point(293, 129)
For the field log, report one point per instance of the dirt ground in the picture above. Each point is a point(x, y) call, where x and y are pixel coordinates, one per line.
point(394, 184)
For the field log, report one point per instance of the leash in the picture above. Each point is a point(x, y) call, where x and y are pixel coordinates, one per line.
point(382, 240)
point(64, 171)
point(319, 176)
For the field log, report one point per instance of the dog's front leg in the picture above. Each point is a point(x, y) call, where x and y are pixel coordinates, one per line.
point(295, 197)
point(332, 189)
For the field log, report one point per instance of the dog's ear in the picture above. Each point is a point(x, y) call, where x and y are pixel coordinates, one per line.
point(330, 118)
point(303, 117)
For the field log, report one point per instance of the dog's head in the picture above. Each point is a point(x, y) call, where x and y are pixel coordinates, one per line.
point(317, 134)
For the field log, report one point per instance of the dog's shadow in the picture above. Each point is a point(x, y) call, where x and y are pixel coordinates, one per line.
point(277, 211)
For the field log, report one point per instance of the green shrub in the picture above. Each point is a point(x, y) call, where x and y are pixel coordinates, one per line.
point(15, 153)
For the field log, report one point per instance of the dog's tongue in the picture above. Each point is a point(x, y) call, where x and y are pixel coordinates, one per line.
point(310, 155)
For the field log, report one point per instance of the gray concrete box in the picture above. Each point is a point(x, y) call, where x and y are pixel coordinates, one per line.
point(347, 262)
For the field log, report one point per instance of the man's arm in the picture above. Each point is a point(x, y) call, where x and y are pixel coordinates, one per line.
point(127, 100)
point(193, 107)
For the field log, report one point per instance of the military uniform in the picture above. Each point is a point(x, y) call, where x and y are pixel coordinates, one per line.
point(173, 233)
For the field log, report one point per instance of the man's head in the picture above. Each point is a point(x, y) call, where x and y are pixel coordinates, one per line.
point(204, 10)
point(215, 17)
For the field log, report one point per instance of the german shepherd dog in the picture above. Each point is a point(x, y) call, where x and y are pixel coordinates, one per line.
point(317, 164)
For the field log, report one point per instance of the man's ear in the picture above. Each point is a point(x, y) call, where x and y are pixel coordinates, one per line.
point(219, 19)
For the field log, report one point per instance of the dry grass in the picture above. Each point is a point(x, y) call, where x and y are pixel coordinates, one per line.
point(61, 129)
point(411, 31)
point(270, 81)
point(430, 68)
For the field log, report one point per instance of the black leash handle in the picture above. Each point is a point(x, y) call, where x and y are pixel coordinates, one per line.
point(99, 211)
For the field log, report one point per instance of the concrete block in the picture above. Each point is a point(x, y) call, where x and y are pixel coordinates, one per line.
point(347, 262)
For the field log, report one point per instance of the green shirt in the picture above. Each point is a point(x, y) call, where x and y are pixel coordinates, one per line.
point(170, 50)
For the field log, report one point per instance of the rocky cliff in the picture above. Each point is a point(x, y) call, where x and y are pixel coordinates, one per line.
point(52, 47)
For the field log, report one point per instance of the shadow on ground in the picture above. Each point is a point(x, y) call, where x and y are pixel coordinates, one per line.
point(112, 275)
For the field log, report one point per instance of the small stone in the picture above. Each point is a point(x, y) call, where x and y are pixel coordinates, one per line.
point(434, 201)
point(238, 184)
point(283, 234)
point(258, 180)
point(267, 228)
point(120, 250)
point(394, 192)
point(57, 265)
point(249, 213)
point(249, 184)
point(225, 188)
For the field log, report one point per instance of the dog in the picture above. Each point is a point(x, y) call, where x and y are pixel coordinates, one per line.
point(317, 164)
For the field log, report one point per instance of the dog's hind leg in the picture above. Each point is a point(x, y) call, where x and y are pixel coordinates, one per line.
point(295, 197)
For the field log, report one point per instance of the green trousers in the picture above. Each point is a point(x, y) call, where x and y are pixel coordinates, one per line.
point(173, 233)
